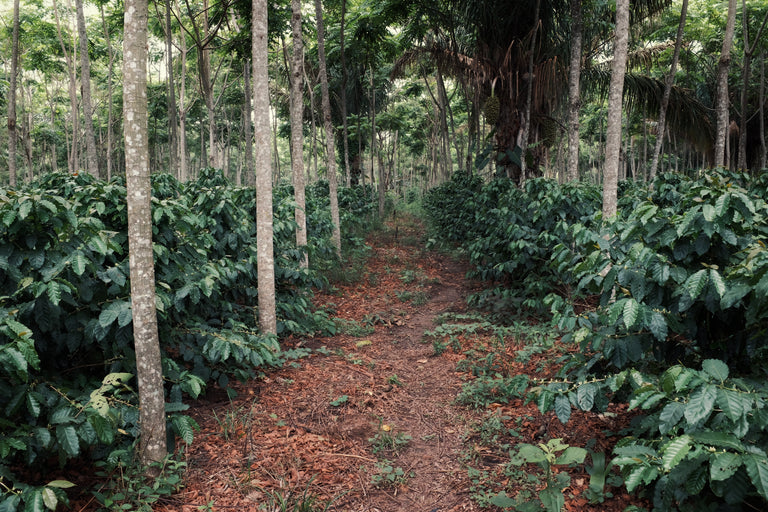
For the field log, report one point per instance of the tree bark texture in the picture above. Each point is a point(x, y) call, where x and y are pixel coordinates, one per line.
point(328, 124)
point(613, 128)
point(574, 89)
point(261, 132)
point(661, 126)
point(721, 103)
point(152, 441)
point(92, 159)
point(12, 97)
point(297, 128)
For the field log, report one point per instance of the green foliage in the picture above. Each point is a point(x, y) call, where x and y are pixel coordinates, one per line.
point(127, 487)
point(388, 441)
point(548, 455)
point(510, 234)
point(682, 275)
point(702, 438)
point(389, 475)
point(66, 341)
point(679, 280)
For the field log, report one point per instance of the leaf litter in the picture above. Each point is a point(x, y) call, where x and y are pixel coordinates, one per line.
point(369, 421)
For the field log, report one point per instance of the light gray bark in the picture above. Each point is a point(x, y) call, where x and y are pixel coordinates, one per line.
point(613, 128)
point(749, 50)
point(152, 441)
point(249, 177)
point(297, 128)
point(110, 82)
point(662, 124)
point(261, 132)
point(173, 164)
point(328, 123)
point(343, 94)
point(574, 90)
point(12, 97)
point(73, 158)
point(85, 89)
point(721, 102)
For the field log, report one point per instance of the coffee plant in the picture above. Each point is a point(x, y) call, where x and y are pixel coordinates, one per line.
point(66, 350)
point(677, 281)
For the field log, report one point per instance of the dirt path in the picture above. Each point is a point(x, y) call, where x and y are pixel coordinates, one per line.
point(367, 420)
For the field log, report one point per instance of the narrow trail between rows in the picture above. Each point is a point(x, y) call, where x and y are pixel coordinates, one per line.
point(367, 419)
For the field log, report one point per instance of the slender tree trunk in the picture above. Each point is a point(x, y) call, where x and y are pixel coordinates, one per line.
point(183, 162)
point(442, 95)
point(110, 92)
point(721, 103)
point(12, 98)
point(328, 123)
point(574, 90)
point(152, 442)
point(749, 50)
point(526, 127)
point(343, 94)
point(85, 87)
point(312, 127)
point(72, 157)
point(667, 91)
point(297, 128)
point(763, 149)
point(264, 229)
point(173, 135)
point(613, 129)
point(249, 170)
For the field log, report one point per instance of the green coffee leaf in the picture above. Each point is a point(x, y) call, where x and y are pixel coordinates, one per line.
point(696, 283)
point(715, 368)
point(66, 435)
point(723, 465)
point(631, 312)
point(562, 408)
point(757, 469)
point(674, 451)
point(585, 396)
point(700, 405)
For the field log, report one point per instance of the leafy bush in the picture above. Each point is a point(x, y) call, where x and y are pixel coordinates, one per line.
point(66, 350)
point(684, 281)
point(678, 280)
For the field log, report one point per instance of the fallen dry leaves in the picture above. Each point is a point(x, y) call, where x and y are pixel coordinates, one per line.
point(307, 429)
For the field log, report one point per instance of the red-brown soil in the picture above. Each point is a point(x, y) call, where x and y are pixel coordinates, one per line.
point(313, 428)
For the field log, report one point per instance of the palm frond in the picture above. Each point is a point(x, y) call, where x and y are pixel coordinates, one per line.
point(687, 117)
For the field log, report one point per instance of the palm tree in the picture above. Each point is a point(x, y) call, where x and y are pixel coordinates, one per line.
point(508, 54)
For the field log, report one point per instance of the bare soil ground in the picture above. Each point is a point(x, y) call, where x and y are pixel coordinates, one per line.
point(369, 422)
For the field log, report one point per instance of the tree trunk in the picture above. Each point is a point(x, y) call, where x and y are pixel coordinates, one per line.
point(72, 152)
point(343, 95)
point(264, 230)
point(249, 176)
point(12, 97)
point(110, 91)
point(312, 127)
point(85, 88)
point(526, 125)
point(763, 149)
point(574, 90)
point(173, 135)
point(152, 442)
point(749, 50)
point(183, 162)
point(613, 128)
point(297, 128)
point(721, 103)
point(667, 92)
point(328, 123)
